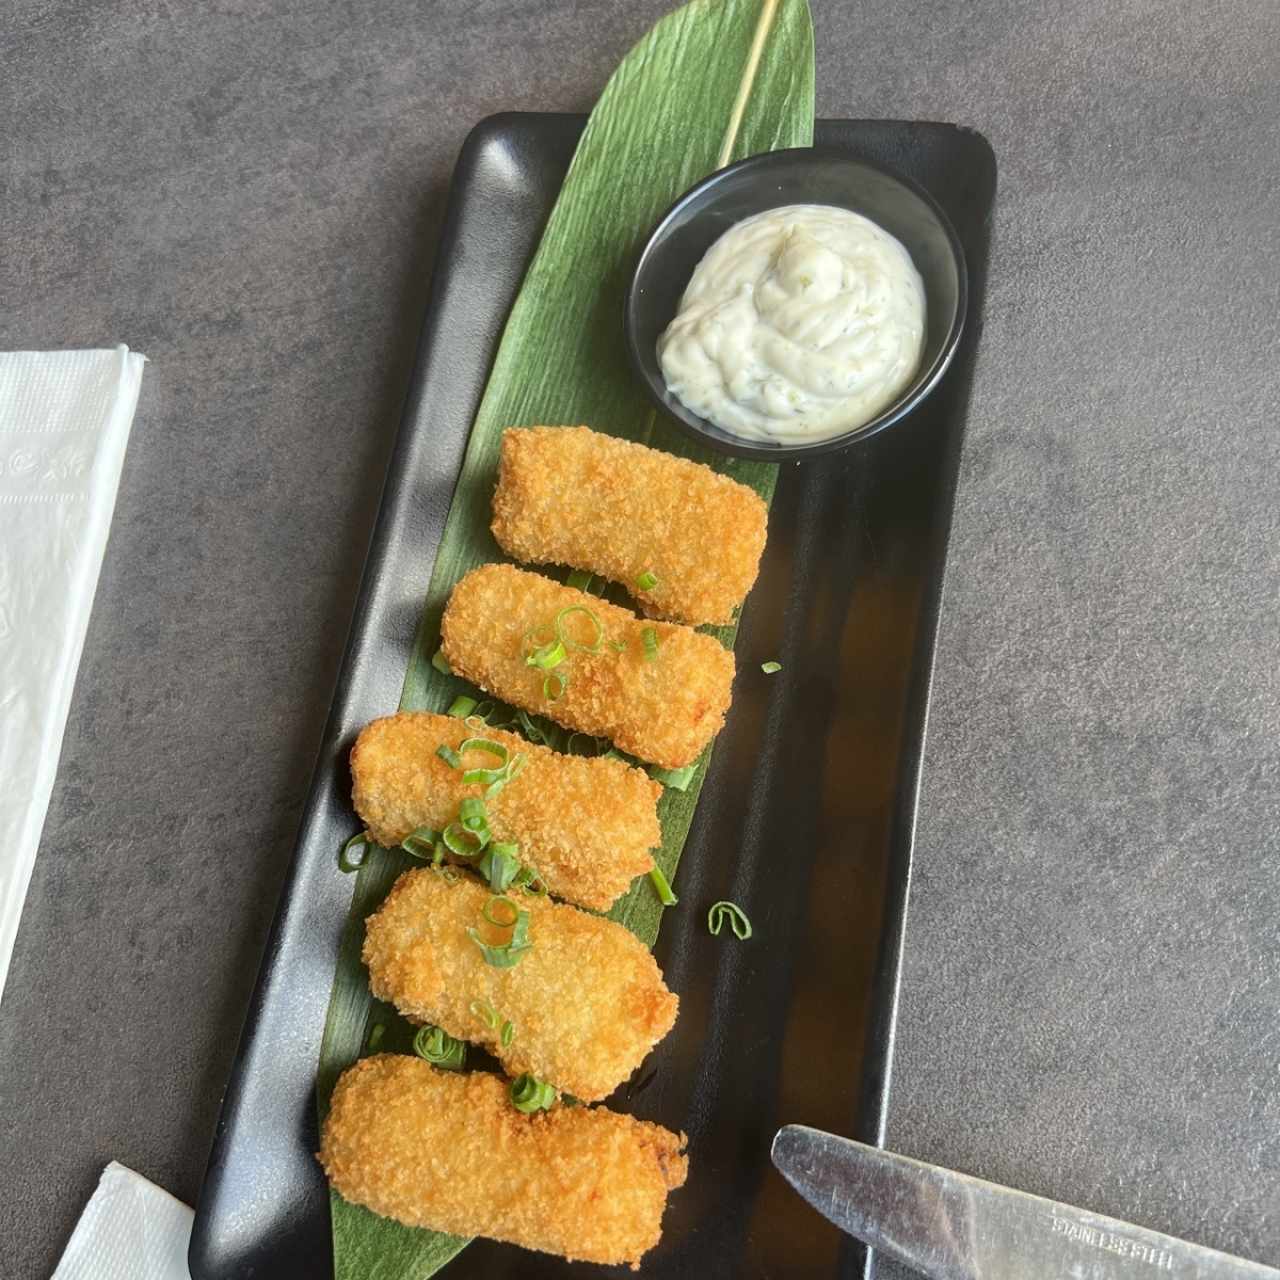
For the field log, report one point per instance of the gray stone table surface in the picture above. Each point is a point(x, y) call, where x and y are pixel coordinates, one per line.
point(248, 191)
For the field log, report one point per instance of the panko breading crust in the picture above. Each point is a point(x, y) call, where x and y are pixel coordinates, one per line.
point(585, 825)
point(586, 1001)
point(570, 495)
point(449, 1152)
point(665, 710)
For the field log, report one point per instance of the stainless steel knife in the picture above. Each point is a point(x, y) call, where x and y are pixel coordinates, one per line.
point(949, 1226)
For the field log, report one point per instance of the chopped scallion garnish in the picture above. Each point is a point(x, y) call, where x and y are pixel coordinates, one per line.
point(487, 745)
point(676, 779)
point(663, 886)
point(507, 1034)
point(358, 844)
point(770, 667)
point(421, 843)
point(579, 580)
point(504, 775)
point(491, 748)
point(530, 881)
point(647, 580)
point(737, 918)
point(376, 1032)
point(438, 661)
point(503, 955)
point(439, 1048)
point(547, 656)
point(529, 728)
point(649, 638)
point(463, 843)
point(553, 686)
point(462, 706)
point(590, 646)
point(497, 900)
point(529, 1094)
point(499, 865)
point(449, 756)
point(485, 1012)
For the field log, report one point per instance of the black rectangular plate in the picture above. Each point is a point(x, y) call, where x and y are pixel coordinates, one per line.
point(806, 817)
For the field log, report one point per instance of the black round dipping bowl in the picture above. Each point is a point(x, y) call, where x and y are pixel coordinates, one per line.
point(801, 176)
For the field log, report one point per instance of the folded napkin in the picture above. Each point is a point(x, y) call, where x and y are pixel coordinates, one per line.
point(64, 424)
point(129, 1230)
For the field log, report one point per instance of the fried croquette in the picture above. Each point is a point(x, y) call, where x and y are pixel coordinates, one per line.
point(585, 825)
point(586, 1001)
point(449, 1152)
point(684, 540)
point(657, 689)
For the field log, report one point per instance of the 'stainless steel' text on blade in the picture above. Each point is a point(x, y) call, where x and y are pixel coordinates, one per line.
point(949, 1226)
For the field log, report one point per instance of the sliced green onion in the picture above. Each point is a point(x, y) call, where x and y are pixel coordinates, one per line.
point(579, 580)
point(504, 775)
point(590, 744)
point(647, 580)
point(507, 1034)
point(529, 1094)
point(503, 955)
point(553, 686)
point(618, 646)
point(770, 667)
point(347, 861)
point(461, 706)
point(461, 842)
point(547, 656)
point(437, 661)
point(421, 843)
point(569, 641)
point(499, 865)
point(485, 1012)
point(649, 638)
point(737, 918)
point(676, 779)
point(570, 1101)
point(449, 756)
point(486, 776)
point(472, 815)
point(487, 745)
point(530, 881)
point(498, 900)
point(529, 727)
point(439, 1048)
point(446, 873)
point(376, 1032)
point(663, 886)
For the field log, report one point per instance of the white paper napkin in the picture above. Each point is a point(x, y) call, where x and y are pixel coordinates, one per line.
point(129, 1230)
point(64, 424)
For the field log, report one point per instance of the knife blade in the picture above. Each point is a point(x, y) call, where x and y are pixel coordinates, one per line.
point(950, 1226)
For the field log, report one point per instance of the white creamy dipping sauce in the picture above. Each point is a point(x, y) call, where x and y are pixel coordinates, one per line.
point(799, 324)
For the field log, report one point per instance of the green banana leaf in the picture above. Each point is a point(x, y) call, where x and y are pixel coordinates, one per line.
point(713, 82)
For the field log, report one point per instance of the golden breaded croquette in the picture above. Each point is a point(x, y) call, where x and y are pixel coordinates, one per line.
point(585, 825)
point(570, 495)
point(586, 1001)
point(662, 704)
point(449, 1152)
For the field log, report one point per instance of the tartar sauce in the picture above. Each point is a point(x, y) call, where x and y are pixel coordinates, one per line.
point(799, 324)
